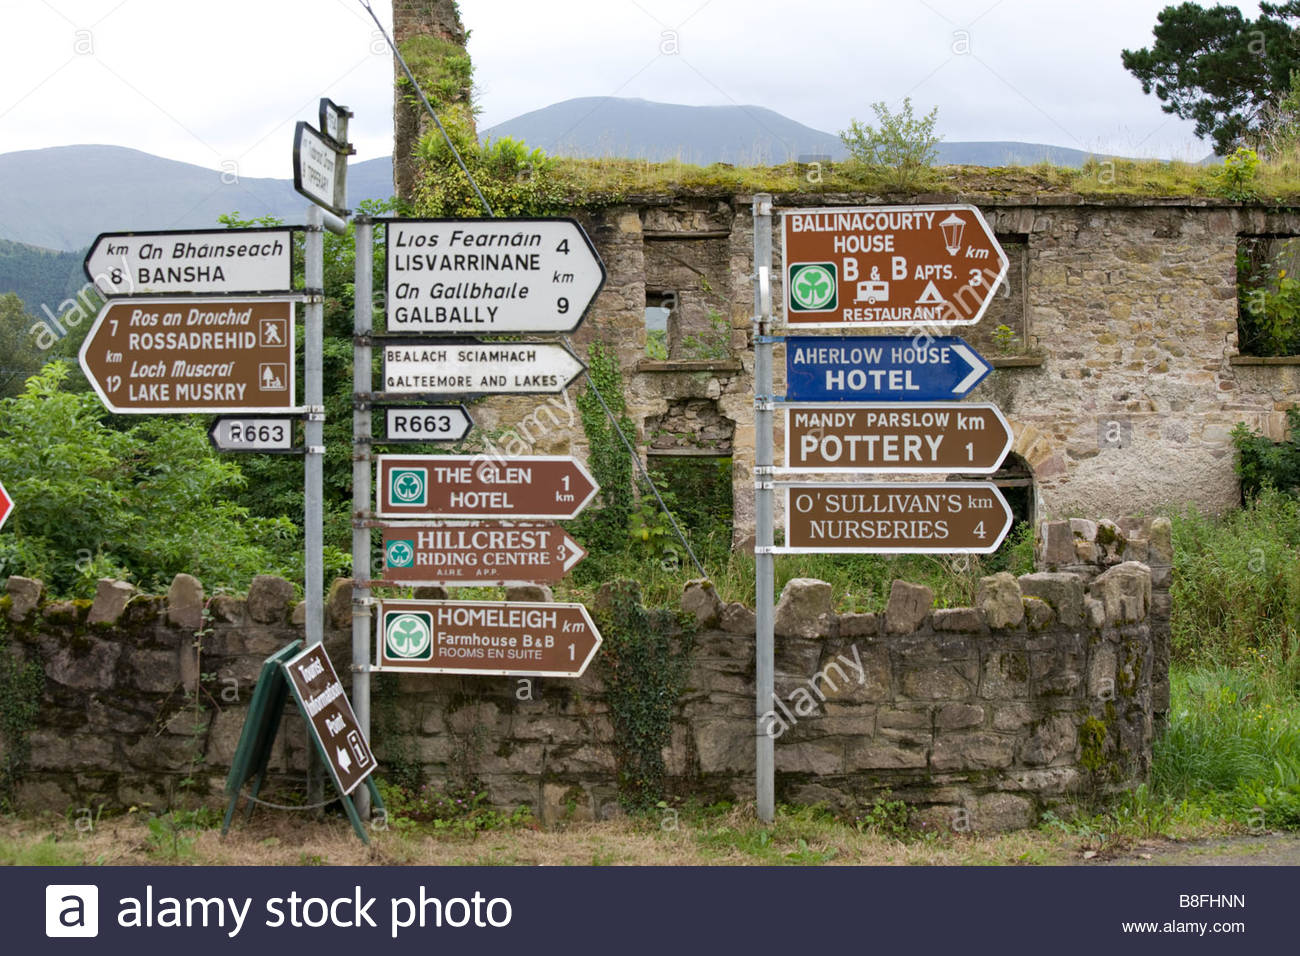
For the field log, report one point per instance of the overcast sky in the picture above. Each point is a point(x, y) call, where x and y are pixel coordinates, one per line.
point(223, 83)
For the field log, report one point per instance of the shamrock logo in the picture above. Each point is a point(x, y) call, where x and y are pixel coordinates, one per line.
point(401, 554)
point(407, 485)
point(812, 287)
point(409, 635)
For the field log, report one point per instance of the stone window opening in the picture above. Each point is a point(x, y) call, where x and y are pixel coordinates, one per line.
point(1004, 330)
point(661, 311)
point(1268, 291)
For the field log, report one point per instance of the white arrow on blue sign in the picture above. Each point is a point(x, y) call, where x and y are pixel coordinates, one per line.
point(874, 368)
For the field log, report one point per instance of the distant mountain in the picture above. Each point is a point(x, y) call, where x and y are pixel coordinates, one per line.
point(595, 127)
point(62, 197)
point(39, 275)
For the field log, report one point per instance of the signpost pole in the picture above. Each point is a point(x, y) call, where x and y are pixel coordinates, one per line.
point(764, 572)
point(363, 324)
point(314, 459)
point(313, 429)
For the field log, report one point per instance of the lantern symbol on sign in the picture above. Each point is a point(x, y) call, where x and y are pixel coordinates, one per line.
point(952, 228)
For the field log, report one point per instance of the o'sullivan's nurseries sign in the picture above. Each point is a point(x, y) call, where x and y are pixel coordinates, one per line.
point(486, 637)
point(953, 517)
point(192, 355)
point(480, 276)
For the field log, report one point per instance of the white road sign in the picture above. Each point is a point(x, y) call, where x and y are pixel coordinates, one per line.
point(320, 171)
point(480, 276)
point(218, 261)
point(421, 423)
point(252, 433)
point(514, 368)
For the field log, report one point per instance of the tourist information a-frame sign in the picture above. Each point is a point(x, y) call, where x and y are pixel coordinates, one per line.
point(256, 741)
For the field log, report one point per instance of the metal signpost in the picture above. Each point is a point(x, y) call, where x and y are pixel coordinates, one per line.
point(933, 438)
point(474, 486)
point(457, 368)
point(447, 281)
point(144, 356)
point(516, 639)
point(887, 266)
point(426, 423)
point(320, 168)
point(489, 275)
point(479, 554)
point(858, 405)
point(219, 261)
point(881, 368)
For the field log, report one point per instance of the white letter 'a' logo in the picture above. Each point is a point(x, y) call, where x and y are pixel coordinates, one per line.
point(71, 909)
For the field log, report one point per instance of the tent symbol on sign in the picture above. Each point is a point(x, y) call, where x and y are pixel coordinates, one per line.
point(930, 295)
point(271, 376)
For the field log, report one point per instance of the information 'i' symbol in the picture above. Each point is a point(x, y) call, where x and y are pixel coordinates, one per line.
point(812, 287)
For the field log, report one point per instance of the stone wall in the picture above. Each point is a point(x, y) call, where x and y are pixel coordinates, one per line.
point(1046, 689)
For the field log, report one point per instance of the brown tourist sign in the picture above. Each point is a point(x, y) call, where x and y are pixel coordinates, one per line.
point(953, 517)
point(934, 437)
point(329, 715)
point(486, 637)
point(192, 355)
point(485, 553)
point(478, 486)
point(883, 266)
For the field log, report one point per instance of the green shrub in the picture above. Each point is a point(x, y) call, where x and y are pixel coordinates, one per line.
point(1236, 178)
point(902, 148)
point(1236, 583)
point(1263, 463)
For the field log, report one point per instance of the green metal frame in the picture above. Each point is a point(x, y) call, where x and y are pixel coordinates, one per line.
point(257, 740)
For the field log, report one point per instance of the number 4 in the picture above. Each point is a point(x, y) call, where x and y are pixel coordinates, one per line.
point(563, 246)
point(980, 532)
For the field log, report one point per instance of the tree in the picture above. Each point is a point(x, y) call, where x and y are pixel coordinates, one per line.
point(1218, 68)
point(141, 502)
point(19, 357)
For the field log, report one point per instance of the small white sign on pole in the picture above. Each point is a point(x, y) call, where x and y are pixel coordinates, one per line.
point(320, 170)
